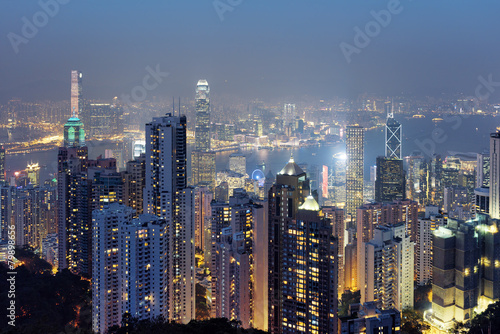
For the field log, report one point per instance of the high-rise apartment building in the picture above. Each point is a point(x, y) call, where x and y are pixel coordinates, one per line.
point(423, 246)
point(134, 180)
point(7, 194)
point(377, 214)
point(239, 261)
point(495, 175)
point(483, 170)
point(354, 172)
point(166, 195)
point(107, 184)
point(309, 290)
point(337, 219)
point(107, 302)
point(2, 164)
point(302, 258)
point(203, 212)
point(387, 270)
point(129, 265)
point(73, 213)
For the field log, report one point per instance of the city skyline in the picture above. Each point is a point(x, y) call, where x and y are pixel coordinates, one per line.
point(249, 167)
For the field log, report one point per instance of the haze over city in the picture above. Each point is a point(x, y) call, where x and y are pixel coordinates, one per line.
point(259, 49)
point(249, 167)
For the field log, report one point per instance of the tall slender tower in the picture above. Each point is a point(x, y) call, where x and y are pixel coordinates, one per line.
point(302, 258)
point(74, 134)
point(354, 171)
point(202, 159)
point(495, 175)
point(76, 93)
point(202, 134)
point(393, 133)
point(2, 164)
point(166, 196)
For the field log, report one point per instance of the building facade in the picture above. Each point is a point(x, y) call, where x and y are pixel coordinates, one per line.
point(354, 172)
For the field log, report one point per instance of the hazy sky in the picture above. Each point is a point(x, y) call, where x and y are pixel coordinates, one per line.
point(261, 48)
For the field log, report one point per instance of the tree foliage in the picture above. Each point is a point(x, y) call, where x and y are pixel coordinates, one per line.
point(486, 322)
point(219, 325)
point(45, 303)
point(348, 298)
point(412, 322)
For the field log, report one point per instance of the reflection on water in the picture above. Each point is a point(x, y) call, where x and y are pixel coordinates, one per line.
point(460, 135)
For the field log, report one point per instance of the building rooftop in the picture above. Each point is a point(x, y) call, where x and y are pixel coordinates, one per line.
point(309, 204)
point(291, 168)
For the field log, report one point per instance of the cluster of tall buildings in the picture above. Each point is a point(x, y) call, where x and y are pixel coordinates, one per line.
point(273, 252)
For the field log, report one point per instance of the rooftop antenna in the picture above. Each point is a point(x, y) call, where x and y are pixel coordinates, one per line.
point(179, 106)
point(173, 106)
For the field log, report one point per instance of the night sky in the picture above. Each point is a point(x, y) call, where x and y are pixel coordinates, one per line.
point(260, 48)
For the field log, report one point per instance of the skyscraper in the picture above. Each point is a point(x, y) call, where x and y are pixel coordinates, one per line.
point(129, 265)
point(387, 270)
point(390, 181)
point(107, 306)
point(33, 171)
point(202, 159)
point(288, 116)
point(74, 134)
point(203, 198)
point(76, 93)
point(423, 246)
point(483, 170)
point(302, 258)
point(239, 261)
point(238, 163)
point(166, 196)
point(393, 135)
point(202, 103)
point(354, 171)
point(165, 165)
point(73, 203)
point(203, 168)
point(2, 164)
point(289, 192)
point(337, 219)
point(495, 175)
point(302, 266)
point(134, 179)
point(455, 277)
